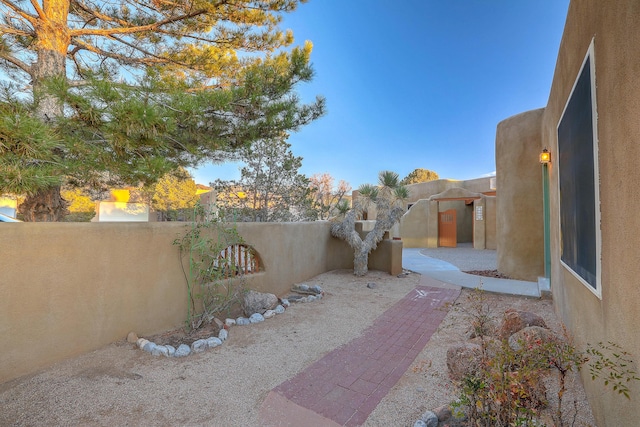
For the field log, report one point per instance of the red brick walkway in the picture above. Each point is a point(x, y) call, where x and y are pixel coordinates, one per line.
point(346, 385)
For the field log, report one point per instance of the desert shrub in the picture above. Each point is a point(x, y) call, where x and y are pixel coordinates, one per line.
point(507, 387)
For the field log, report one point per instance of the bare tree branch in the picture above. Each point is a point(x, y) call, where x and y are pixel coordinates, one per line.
point(32, 19)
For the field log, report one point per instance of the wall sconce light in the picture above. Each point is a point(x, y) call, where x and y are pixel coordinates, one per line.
point(545, 157)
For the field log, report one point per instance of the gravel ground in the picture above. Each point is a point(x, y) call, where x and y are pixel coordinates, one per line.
point(119, 385)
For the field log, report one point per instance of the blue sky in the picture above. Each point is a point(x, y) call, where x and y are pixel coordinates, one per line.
point(417, 83)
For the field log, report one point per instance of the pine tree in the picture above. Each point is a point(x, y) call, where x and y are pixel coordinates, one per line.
point(270, 188)
point(120, 93)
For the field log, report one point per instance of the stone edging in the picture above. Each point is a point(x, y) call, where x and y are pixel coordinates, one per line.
point(313, 293)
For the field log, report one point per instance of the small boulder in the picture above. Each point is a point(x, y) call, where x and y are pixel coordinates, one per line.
point(514, 321)
point(171, 350)
point(241, 321)
point(430, 419)
point(199, 346)
point(160, 350)
point(149, 346)
point(223, 334)
point(132, 338)
point(182, 350)
point(229, 322)
point(533, 336)
point(463, 360)
point(258, 302)
point(269, 314)
point(372, 285)
point(279, 309)
point(218, 323)
point(443, 412)
point(256, 318)
point(213, 342)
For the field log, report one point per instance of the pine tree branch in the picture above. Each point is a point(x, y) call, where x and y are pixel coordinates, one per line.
point(32, 19)
point(38, 9)
point(15, 61)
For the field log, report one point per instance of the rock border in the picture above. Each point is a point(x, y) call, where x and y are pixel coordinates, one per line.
point(311, 293)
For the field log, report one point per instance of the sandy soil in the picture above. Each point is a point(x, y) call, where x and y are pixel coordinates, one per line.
point(119, 385)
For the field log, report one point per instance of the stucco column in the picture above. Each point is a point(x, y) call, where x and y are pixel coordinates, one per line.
point(519, 230)
point(479, 224)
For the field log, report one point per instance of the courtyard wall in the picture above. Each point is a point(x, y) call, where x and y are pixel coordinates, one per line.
point(69, 288)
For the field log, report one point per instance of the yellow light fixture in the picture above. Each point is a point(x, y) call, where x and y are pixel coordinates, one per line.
point(545, 157)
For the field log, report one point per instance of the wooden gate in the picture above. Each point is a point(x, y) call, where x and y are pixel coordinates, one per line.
point(447, 228)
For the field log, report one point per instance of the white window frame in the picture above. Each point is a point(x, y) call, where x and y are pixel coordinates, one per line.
point(590, 55)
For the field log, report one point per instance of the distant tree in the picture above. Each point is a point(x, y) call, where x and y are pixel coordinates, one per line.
point(326, 196)
point(419, 175)
point(129, 90)
point(388, 197)
point(270, 188)
point(173, 192)
point(81, 207)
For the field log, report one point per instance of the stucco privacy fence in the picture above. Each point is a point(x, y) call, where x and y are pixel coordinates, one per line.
point(69, 288)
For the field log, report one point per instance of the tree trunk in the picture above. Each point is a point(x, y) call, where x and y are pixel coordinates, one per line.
point(44, 206)
point(360, 262)
point(52, 42)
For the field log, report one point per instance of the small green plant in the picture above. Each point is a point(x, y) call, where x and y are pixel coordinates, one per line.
point(613, 365)
point(506, 387)
point(215, 281)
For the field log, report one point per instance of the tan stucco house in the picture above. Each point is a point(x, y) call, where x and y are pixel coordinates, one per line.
point(591, 126)
point(445, 212)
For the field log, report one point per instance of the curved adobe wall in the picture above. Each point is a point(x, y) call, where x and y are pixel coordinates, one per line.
point(519, 228)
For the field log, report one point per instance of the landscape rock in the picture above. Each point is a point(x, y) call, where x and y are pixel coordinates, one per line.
point(256, 318)
point(241, 321)
point(258, 302)
point(183, 350)
point(141, 343)
point(199, 346)
point(171, 350)
point(269, 314)
point(371, 285)
point(223, 334)
point(303, 288)
point(160, 350)
point(443, 412)
point(218, 323)
point(213, 342)
point(132, 338)
point(515, 321)
point(430, 419)
point(230, 322)
point(532, 336)
point(149, 346)
point(279, 309)
point(463, 359)
point(285, 302)
point(317, 289)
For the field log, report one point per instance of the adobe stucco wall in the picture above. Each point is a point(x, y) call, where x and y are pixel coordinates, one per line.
point(424, 190)
point(613, 25)
point(69, 288)
point(519, 233)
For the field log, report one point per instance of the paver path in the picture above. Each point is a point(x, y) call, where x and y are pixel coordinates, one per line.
point(345, 386)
